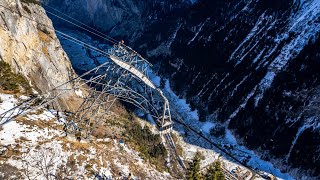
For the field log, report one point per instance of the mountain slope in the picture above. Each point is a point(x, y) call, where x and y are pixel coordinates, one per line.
point(35, 146)
point(249, 73)
point(250, 66)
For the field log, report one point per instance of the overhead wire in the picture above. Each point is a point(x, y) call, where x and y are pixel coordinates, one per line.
point(77, 41)
point(180, 120)
point(70, 38)
point(91, 30)
point(203, 137)
point(74, 40)
point(97, 31)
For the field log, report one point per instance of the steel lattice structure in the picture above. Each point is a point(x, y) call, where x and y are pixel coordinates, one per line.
point(123, 76)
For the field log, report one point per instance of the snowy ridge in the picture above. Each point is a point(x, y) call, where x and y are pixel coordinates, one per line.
point(300, 131)
point(305, 25)
point(191, 118)
point(198, 31)
point(256, 30)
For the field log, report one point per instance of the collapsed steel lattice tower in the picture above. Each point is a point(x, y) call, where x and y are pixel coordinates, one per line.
point(124, 76)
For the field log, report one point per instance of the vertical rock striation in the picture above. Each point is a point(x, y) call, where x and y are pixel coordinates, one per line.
point(29, 44)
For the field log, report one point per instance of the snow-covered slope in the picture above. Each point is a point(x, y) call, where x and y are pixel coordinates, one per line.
point(35, 146)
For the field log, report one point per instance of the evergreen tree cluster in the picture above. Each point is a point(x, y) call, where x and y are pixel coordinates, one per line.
point(213, 173)
point(148, 144)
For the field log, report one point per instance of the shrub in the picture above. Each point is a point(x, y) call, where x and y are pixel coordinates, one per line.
point(193, 171)
point(10, 81)
point(148, 144)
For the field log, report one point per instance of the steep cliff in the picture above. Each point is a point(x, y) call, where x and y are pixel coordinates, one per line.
point(29, 44)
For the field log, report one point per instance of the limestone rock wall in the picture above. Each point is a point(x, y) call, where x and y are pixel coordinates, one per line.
point(29, 44)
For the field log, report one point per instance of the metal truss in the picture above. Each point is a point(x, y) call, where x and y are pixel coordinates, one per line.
point(124, 76)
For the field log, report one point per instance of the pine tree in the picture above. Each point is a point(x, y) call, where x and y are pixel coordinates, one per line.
point(215, 172)
point(211, 173)
point(219, 174)
point(193, 172)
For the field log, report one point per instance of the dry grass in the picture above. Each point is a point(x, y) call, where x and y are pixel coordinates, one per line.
point(74, 145)
point(45, 141)
point(81, 159)
point(102, 132)
point(71, 162)
point(13, 152)
point(50, 124)
point(31, 124)
point(24, 139)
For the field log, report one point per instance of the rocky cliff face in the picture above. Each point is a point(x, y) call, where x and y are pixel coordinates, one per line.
point(251, 66)
point(29, 44)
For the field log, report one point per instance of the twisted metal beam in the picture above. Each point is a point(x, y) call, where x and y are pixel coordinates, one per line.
point(123, 76)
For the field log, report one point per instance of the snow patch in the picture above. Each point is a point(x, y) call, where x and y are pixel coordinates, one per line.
point(180, 105)
point(229, 137)
point(207, 126)
point(79, 93)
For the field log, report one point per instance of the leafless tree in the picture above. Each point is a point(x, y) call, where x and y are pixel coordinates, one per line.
point(40, 162)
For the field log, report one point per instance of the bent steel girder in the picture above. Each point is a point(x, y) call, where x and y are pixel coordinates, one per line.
point(103, 94)
point(131, 61)
point(99, 97)
point(124, 76)
point(138, 68)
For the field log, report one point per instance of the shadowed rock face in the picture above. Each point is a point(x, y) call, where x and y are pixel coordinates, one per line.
point(252, 65)
point(125, 18)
